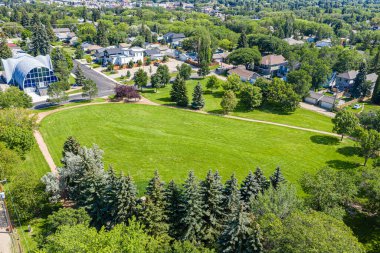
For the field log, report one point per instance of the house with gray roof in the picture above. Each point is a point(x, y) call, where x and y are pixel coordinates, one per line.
point(345, 80)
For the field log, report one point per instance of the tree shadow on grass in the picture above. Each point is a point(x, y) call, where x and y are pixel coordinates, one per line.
point(342, 165)
point(217, 94)
point(219, 111)
point(349, 151)
point(166, 100)
point(325, 140)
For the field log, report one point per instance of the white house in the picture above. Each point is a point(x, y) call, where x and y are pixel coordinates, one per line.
point(133, 54)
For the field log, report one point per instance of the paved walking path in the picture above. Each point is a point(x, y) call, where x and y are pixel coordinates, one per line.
point(45, 151)
point(5, 236)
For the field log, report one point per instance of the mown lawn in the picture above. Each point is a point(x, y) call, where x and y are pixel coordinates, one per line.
point(139, 139)
point(366, 107)
point(301, 117)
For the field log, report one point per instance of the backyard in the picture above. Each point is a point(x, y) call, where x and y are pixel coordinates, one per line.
point(139, 139)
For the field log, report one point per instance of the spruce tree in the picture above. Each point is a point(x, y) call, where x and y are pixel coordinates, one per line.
point(35, 19)
point(277, 178)
point(127, 200)
point(153, 214)
point(71, 145)
point(178, 92)
point(25, 21)
point(249, 188)
point(191, 207)
point(376, 91)
point(212, 206)
point(376, 62)
point(242, 234)
point(198, 100)
point(173, 198)
point(232, 197)
point(79, 76)
point(356, 90)
point(110, 199)
point(40, 40)
point(242, 41)
point(261, 180)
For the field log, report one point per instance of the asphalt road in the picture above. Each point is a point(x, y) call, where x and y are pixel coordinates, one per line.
point(105, 86)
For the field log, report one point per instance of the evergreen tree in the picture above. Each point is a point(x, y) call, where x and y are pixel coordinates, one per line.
point(376, 62)
point(173, 198)
point(242, 42)
point(376, 92)
point(198, 100)
point(25, 21)
point(40, 40)
point(101, 35)
point(110, 199)
point(127, 200)
point(232, 197)
point(191, 207)
point(359, 82)
point(212, 206)
point(153, 214)
point(242, 234)
point(35, 20)
point(277, 178)
point(91, 196)
point(60, 65)
point(5, 51)
point(178, 92)
point(79, 76)
point(249, 188)
point(71, 145)
point(261, 180)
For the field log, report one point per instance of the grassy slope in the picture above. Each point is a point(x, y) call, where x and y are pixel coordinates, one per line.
point(138, 139)
point(301, 117)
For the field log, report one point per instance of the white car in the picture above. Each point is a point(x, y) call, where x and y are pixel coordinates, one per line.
point(357, 106)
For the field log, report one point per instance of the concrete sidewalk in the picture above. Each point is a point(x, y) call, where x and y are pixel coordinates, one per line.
point(5, 236)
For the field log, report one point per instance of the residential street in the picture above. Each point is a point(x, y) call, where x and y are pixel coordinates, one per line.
point(105, 85)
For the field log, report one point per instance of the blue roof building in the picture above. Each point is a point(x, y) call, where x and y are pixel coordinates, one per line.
point(28, 72)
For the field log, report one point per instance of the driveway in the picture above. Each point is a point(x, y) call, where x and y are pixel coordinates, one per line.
point(317, 109)
point(5, 237)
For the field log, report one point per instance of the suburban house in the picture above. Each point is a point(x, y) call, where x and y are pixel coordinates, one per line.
point(220, 56)
point(323, 43)
point(90, 48)
point(244, 74)
point(154, 54)
point(293, 42)
point(120, 56)
point(346, 80)
point(273, 65)
point(321, 100)
point(174, 39)
point(63, 34)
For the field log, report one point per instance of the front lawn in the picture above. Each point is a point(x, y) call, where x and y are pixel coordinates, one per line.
point(139, 139)
point(301, 117)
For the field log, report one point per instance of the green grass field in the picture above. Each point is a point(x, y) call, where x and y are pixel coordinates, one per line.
point(301, 117)
point(368, 106)
point(139, 139)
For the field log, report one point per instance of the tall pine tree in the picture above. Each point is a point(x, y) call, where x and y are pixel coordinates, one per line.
point(242, 41)
point(191, 207)
point(198, 100)
point(261, 180)
point(79, 76)
point(127, 199)
point(376, 91)
point(173, 198)
point(249, 188)
point(277, 178)
point(231, 194)
point(153, 214)
point(110, 199)
point(178, 92)
point(212, 206)
point(359, 82)
point(40, 40)
point(242, 234)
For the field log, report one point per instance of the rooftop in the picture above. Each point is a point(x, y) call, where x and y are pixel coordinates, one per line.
point(273, 59)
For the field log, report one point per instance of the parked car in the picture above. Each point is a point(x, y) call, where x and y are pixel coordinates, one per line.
point(356, 106)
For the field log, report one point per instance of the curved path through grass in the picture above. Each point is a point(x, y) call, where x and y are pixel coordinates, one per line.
point(138, 139)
